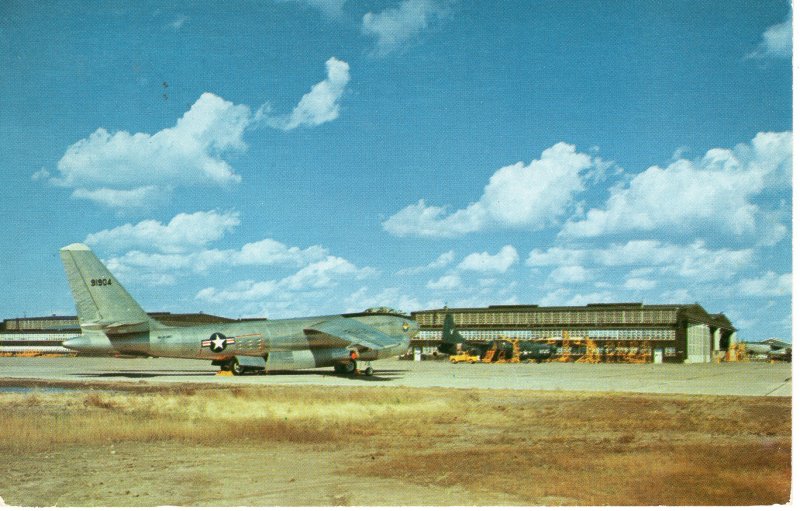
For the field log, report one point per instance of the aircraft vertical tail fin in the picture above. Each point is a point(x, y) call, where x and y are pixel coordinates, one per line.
point(449, 333)
point(102, 303)
point(450, 336)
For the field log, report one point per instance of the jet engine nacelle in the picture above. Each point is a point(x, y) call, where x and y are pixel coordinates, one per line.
point(306, 359)
point(94, 343)
point(100, 343)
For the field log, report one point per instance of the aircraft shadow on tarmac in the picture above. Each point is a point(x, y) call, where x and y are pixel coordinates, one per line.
point(381, 375)
point(377, 376)
point(142, 374)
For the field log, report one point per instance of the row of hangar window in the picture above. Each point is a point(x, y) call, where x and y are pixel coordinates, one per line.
point(595, 335)
point(553, 317)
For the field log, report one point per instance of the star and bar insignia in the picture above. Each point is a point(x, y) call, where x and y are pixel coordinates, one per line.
point(217, 342)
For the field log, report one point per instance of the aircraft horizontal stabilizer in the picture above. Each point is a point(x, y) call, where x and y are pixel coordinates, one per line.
point(352, 334)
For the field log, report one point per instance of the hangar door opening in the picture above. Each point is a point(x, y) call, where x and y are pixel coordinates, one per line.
point(698, 343)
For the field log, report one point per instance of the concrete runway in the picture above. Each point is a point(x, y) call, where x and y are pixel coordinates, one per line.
point(743, 379)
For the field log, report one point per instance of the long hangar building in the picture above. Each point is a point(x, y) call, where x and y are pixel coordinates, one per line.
point(672, 333)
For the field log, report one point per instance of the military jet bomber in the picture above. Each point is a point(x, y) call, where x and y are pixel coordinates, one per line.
point(453, 343)
point(112, 323)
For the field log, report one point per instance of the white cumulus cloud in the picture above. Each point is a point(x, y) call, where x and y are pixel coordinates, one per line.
point(186, 231)
point(440, 262)
point(186, 153)
point(41, 175)
point(639, 284)
point(123, 170)
point(776, 41)
point(445, 283)
point(396, 26)
point(532, 196)
point(143, 197)
point(326, 273)
point(266, 252)
point(680, 295)
point(695, 260)
point(715, 191)
point(321, 104)
point(245, 290)
point(768, 284)
point(570, 274)
point(565, 297)
point(269, 252)
point(486, 262)
point(119, 169)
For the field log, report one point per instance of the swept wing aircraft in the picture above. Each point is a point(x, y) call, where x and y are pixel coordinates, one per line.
point(453, 342)
point(113, 323)
point(773, 349)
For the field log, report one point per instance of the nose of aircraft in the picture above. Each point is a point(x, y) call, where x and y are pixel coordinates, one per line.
point(413, 328)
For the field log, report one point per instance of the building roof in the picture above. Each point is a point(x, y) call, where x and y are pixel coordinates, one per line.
point(192, 318)
point(43, 318)
point(692, 312)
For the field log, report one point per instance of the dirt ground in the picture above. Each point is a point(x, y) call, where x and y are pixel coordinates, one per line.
point(313, 446)
point(163, 473)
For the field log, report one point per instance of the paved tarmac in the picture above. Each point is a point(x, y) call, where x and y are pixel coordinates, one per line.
point(744, 379)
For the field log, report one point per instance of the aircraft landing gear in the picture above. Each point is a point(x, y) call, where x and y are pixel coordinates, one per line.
point(242, 364)
point(236, 368)
point(348, 367)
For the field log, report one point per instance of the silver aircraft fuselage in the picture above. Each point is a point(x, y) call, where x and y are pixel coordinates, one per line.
point(285, 343)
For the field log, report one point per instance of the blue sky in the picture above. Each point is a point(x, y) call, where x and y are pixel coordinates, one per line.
point(294, 157)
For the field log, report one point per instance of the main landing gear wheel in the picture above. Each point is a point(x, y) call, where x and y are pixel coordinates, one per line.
point(236, 368)
point(348, 367)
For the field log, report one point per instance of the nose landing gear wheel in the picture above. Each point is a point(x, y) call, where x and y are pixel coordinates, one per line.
point(369, 371)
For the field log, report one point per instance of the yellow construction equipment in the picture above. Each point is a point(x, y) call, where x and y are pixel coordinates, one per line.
point(737, 353)
point(592, 355)
point(566, 348)
point(741, 353)
point(615, 352)
point(497, 352)
point(488, 357)
point(514, 359)
point(627, 352)
point(638, 353)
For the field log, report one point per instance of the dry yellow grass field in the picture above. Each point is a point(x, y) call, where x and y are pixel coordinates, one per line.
point(297, 445)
